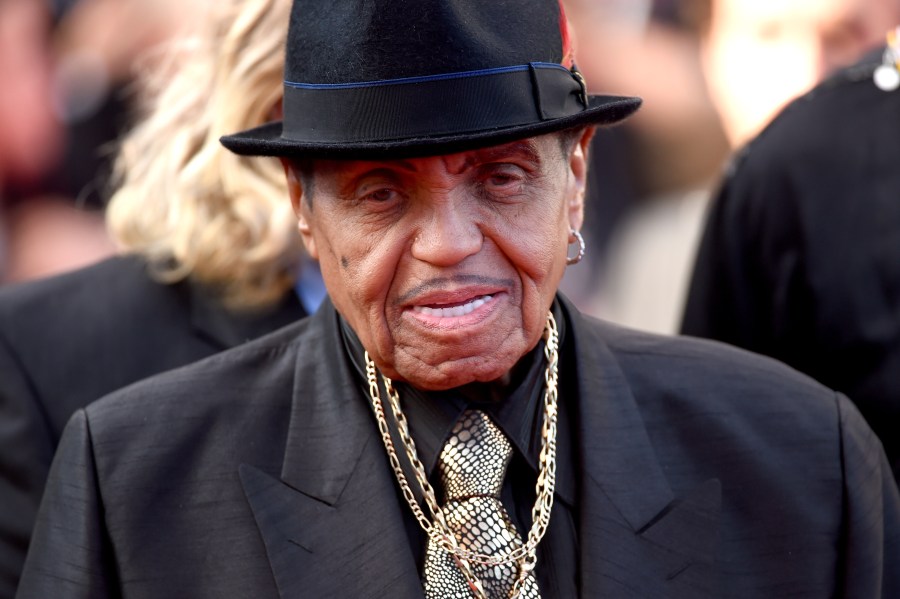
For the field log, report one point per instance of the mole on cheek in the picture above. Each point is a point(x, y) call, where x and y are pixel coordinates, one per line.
point(344, 262)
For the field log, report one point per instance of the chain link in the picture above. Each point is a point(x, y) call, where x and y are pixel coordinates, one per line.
point(437, 528)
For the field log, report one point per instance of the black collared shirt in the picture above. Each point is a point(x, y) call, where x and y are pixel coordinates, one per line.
point(518, 412)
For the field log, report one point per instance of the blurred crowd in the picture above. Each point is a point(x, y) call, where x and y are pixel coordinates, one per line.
point(712, 73)
point(70, 68)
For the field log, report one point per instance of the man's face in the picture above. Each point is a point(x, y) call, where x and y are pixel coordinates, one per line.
point(759, 54)
point(445, 266)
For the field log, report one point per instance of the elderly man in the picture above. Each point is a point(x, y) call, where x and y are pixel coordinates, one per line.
point(450, 426)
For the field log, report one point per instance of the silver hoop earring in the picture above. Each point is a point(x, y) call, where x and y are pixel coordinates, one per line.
point(577, 257)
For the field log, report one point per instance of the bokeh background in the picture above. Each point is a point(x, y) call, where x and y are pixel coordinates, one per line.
point(712, 73)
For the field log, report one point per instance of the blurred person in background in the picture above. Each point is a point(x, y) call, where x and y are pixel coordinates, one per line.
point(755, 57)
point(759, 55)
point(210, 256)
point(674, 144)
point(86, 56)
point(800, 259)
point(30, 136)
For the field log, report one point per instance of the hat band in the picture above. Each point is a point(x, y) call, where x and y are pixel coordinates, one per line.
point(430, 106)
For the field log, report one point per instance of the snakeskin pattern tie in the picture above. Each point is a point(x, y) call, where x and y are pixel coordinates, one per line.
point(472, 466)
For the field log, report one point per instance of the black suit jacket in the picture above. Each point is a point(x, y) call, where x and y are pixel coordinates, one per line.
point(69, 340)
point(704, 472)
point(800, 259)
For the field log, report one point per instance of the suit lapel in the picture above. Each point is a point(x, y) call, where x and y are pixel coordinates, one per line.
point(227, 328)
point(638, 539)
point(332, 523)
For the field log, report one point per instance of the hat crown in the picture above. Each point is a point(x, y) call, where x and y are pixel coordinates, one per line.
point(400, 78)
point(352, 41)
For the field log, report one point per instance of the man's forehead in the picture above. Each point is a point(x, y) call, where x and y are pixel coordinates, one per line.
point(530, 149)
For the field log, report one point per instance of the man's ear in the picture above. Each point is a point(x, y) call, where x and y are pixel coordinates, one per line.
point(578, 166)
point(301, 208)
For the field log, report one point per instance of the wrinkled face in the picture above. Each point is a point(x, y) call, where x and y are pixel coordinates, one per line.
point(445, 266)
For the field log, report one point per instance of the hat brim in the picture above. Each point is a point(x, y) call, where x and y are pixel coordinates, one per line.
point(266, 140)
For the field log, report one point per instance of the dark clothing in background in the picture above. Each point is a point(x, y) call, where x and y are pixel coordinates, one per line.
point(801, 255)
point(69, 340)
point(701, 471)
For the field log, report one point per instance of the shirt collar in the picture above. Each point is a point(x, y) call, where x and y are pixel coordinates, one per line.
point(310, 287)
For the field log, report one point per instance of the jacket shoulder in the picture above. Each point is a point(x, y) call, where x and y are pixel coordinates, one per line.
point(111, 273)
point(78, 336)
point(239, 378)
point(80, 299)
point(692, 374)
point(833, 129)
point(208, 416)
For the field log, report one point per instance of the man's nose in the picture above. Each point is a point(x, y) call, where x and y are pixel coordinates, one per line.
point(448, 235)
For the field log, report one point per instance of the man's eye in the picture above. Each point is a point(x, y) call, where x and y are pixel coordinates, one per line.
point(380, 195)
point(502, 178)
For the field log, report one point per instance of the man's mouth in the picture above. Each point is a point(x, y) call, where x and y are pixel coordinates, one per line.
point(453, 311)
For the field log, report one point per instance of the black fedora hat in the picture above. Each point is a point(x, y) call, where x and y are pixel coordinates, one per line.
point(400, 78)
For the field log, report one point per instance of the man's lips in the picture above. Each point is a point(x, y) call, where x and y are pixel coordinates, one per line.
point(453, 310)
point(454, 302)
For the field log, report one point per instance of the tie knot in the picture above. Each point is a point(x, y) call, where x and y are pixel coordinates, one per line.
point(474, 459)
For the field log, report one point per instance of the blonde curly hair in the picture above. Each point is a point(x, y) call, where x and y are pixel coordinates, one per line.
point(190, 207)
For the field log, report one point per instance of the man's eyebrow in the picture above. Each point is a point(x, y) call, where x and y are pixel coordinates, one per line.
point(351, 181)
point(525, 148)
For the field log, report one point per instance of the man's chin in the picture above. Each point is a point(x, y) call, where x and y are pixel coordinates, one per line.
point(449, 372)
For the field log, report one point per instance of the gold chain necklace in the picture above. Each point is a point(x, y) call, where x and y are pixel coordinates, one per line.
point(437, 528)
